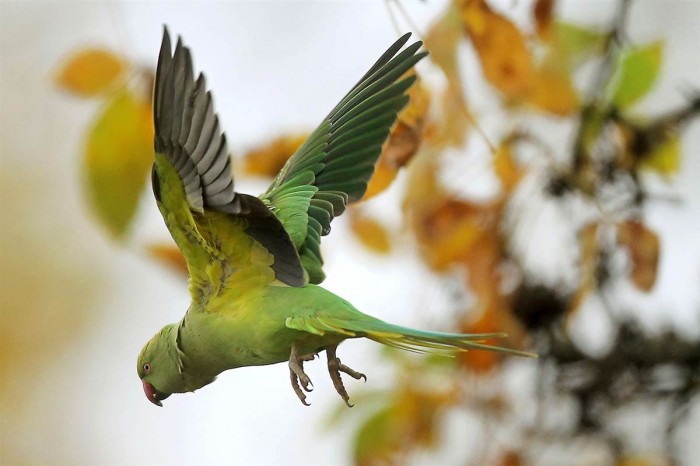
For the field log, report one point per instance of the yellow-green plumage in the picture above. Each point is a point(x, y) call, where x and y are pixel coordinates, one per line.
point(255, 263)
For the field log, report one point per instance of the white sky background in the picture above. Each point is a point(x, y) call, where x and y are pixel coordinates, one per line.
point(273, 67)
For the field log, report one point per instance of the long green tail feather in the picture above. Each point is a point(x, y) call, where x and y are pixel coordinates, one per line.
point(417, 341)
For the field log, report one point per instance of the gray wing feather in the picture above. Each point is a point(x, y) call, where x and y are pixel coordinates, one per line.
point(187, 132)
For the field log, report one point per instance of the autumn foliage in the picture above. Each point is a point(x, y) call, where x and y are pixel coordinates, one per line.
point(532, 70)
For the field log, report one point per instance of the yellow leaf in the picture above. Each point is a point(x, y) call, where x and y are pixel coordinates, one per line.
point(450, 230)
point(384, 174)
point(269, 159)
point(91, 72)
point(403, 142)
point(371, 233)
point(666, 158)
point(169, 255)
point(505, 166)
point(648, 459)
point(118, 155)
point(501, 47)
point(643, 247)
point(442, 40)
point(454, 123)
point(553, 91)
point(414, 114)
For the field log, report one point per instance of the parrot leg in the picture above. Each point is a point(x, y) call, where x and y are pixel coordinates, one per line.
point(297, 374)
point(335, 367)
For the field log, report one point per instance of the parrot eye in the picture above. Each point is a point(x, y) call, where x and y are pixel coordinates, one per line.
point(147, 368)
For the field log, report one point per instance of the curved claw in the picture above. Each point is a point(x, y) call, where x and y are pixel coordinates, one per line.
point(335, 367)
point(297, 375)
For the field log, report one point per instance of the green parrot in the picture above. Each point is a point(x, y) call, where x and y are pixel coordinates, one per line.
point(255, 262)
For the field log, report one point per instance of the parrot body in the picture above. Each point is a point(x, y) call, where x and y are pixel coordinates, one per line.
point(255, 262)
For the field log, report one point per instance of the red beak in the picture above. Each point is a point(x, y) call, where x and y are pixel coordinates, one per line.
point(151, 393)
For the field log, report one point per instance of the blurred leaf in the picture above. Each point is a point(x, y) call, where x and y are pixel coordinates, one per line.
point(649, 459)
point(504, 164)
point(403, 142)
point(384, 174)
point(501, 47)
point(91, 72)
point(575, 43)
point(510, 458)
point(553, 91)
point(454, 118)
point(443, 40)
point(449, 231)
point(377, 439)
point(423, 189)
point(636, 74)
point(411, 420)
point(51, 295)
point(372, 234)
point(169, 255)
point(118, 155)
point(643, 247)
point(269, 159)
point(589, 253)
point(665, 159)
point(543, 12)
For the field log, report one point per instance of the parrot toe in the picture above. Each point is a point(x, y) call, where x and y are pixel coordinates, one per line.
point(335, 367)
point(297, 376)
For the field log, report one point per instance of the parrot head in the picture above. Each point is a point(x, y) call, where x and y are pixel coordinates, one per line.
point(159, 366)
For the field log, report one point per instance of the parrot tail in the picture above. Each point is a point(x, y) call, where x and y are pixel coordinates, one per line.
point(417, 341)
point(420, 341)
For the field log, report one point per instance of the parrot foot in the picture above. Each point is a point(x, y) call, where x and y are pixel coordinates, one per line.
point(297, 375)
point(335, 367)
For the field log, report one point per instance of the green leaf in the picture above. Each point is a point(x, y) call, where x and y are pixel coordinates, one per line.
point(666, 158)
point(575, 44)
point(377, 439)
point(636, 74)
point(118, 155)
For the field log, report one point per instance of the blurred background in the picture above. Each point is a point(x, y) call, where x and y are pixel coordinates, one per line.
point(542, 182)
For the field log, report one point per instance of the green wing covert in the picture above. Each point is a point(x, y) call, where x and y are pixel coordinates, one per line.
point(333, 166)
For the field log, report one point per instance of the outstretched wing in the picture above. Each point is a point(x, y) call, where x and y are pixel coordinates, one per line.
point(333, 166)
point(224, 235)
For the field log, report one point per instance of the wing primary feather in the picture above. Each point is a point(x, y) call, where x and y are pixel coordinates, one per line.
point(340, 155)
point(163, 65)
point(386, 56)
point(202, 102)
point(393, 71)
point(179, 90)
point(188, 136)
point(189, 99)
point(209, 130)
point(217, 164)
